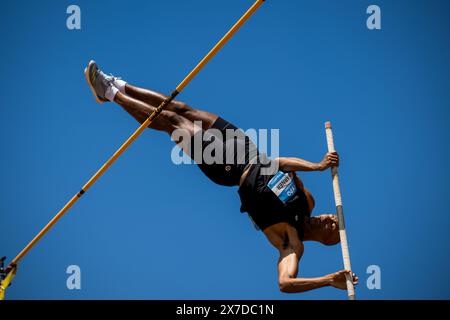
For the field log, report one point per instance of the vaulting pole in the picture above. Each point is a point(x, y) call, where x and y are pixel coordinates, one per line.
point(340, 214)
point(12, 266)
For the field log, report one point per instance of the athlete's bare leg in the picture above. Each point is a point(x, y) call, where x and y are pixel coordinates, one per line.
point(155, 98)
point(167, 121)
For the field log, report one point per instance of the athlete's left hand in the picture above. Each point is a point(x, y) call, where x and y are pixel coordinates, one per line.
point(339, 279)
point(331, 159)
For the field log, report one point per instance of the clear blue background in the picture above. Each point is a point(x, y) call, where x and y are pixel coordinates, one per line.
point(152, 230)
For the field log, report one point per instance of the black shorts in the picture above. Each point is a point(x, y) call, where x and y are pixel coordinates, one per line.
point(225, 173)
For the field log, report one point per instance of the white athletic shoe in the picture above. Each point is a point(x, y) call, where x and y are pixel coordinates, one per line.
point(98, 81)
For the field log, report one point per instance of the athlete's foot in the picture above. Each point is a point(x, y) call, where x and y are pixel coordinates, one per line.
point(102, 85)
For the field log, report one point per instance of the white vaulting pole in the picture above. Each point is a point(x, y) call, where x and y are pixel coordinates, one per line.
point(340, 214)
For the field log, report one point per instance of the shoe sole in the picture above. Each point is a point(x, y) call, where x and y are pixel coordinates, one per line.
point(86, 75)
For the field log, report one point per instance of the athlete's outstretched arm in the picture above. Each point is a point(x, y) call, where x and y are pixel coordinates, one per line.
point(331, 159)
point(284, 238)
point(287, 274)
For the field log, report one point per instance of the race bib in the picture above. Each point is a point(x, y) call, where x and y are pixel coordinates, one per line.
point(283, 186)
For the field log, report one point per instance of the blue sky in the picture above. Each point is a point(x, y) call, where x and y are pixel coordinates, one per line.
point(152, 230)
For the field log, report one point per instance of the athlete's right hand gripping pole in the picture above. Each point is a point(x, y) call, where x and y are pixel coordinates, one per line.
point(340, 214)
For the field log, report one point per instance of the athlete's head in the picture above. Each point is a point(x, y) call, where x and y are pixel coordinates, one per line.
point(323, 228)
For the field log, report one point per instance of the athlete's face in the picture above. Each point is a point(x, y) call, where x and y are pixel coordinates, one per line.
point(323, 228)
